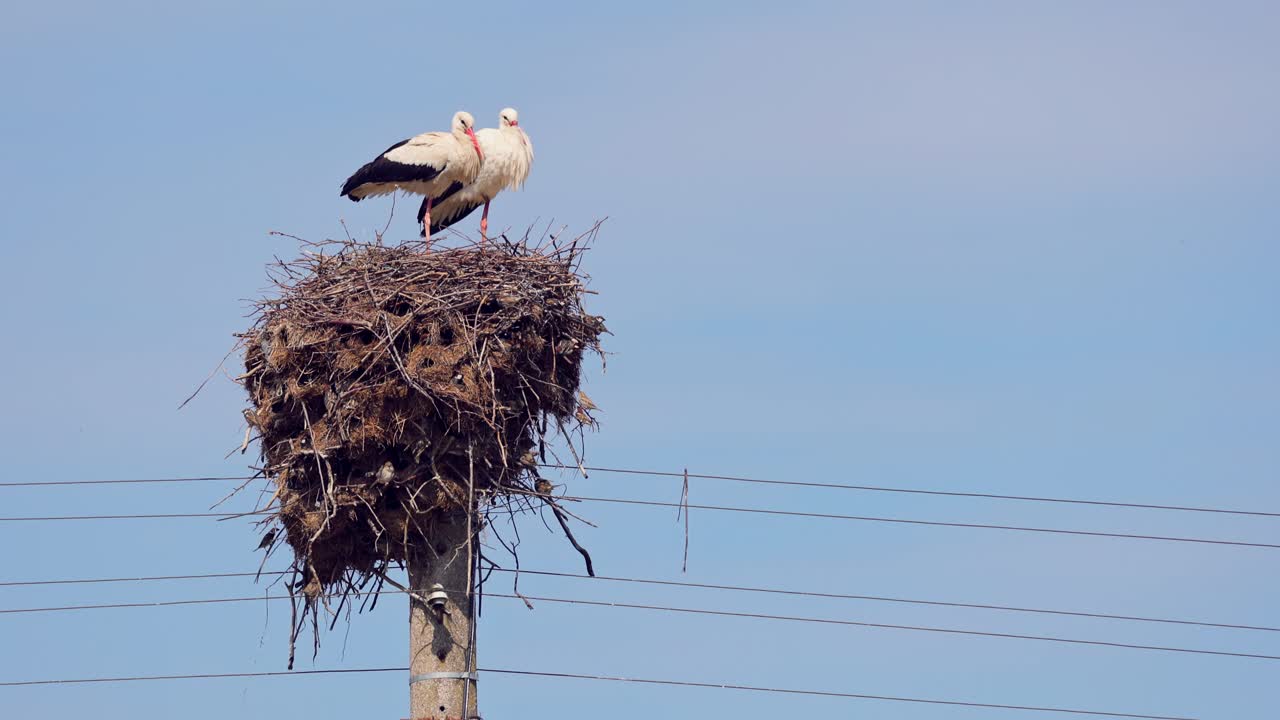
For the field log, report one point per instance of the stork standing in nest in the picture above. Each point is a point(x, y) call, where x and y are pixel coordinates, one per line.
point(508, 156)
point(434, 164)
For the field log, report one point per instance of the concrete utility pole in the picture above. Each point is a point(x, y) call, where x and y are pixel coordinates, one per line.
point(442, 660)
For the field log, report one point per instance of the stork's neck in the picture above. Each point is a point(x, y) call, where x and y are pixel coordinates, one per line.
point(515, 134)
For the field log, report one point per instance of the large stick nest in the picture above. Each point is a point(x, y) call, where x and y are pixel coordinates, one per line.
point(392, 385)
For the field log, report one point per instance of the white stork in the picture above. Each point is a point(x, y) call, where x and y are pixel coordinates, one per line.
point(508, 156)
point(434, 164)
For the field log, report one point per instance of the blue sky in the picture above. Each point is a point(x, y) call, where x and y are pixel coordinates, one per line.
point(1015, 247)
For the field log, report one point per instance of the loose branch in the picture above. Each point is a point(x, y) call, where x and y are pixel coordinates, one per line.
point(564, 525)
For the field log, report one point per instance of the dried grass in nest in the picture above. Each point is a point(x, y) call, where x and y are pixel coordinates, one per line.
point(390, 386)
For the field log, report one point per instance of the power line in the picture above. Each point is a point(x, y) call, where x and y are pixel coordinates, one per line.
point(130, 481)
point(195, 676)
point(822, 693)
point(612, 678)
point(725, 508)
point(140, 578)
point(888, 626)
point(693, 611)
point(882, 598)
point(936, 523)
point(160, 603)
point(920, 491)
point(704, 586)
point(732, 478)
point(153, 516)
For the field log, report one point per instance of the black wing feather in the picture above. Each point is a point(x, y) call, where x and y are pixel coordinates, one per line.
point(459, 214)
point(449, 192)
point(382, 170)
point(441, 221)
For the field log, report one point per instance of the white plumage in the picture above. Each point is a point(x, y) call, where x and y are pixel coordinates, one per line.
point(508, 157)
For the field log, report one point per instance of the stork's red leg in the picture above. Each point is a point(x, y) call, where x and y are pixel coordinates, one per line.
point(484, 224)
point(426, 222)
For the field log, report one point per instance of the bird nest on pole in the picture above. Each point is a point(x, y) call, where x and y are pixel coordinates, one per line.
point(391, 387)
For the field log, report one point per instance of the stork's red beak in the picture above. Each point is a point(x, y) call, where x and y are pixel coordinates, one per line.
point(475, 143)
point(515, 123)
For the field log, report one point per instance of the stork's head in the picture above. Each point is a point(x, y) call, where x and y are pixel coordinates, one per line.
point(465, 125)
point(508, 118)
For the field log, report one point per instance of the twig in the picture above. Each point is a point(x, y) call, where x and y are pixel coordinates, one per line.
point(564, 524)
point(390, 215)
point(400, 587)
point(210, 377)
point(684, 508)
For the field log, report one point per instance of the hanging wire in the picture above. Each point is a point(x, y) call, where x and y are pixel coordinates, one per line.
point(612, 678)
point(921, 491)
point(724, 508)
point(684, 610)
point(734, 478)
point(704, 586)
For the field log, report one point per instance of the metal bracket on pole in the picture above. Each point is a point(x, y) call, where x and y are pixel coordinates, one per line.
point(443, 676)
